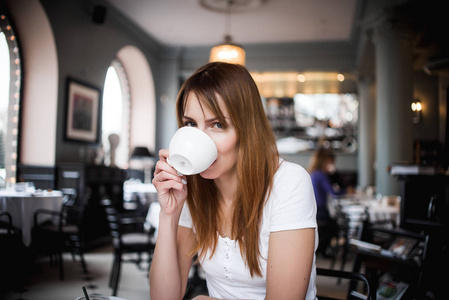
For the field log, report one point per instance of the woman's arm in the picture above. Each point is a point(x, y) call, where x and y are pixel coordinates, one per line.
point(171, 262)
point(170, 266)
point(290, 258)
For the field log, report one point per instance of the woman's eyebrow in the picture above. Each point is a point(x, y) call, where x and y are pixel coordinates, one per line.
point(207, 120)
point(211, 120)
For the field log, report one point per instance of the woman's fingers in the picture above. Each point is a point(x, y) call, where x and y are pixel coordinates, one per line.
point(166, 177)
point(163, 154)
point(163, 176)
point(171, 184)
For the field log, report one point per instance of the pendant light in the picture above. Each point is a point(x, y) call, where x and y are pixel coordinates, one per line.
point(228, 51)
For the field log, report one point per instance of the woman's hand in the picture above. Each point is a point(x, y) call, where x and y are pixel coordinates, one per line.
point(170, 186)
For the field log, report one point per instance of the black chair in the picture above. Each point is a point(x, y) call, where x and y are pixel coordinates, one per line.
point(350, 224)
point(71, 225)
point(369, 294)
point(15, 259)
point(403, 255)
point(128, 236)
point(55, 232)
point(6, 226)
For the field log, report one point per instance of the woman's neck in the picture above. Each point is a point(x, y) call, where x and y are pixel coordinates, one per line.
point(227, 185)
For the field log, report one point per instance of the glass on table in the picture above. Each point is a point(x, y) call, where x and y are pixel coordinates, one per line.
point(20, 187)
point(29, 187)
point(10, 186)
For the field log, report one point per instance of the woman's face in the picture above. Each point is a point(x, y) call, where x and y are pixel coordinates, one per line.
point(224, 137)
point(330, 166)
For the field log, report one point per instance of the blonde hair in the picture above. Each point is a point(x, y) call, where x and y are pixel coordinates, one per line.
point(257, 159)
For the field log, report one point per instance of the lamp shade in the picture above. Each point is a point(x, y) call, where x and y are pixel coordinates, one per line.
point(141, 152)
point(228, 52)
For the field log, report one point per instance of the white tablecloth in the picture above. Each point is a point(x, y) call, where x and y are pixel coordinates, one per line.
point(146, 191)
point(152, 219)
point(378, 209)
point(22, 205)
point(382, 212)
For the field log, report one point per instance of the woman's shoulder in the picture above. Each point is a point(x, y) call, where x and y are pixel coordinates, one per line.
point(291, 200)
point(290, 175)
point(287, 169)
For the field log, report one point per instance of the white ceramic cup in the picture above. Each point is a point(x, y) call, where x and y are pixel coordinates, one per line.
point(191, 151)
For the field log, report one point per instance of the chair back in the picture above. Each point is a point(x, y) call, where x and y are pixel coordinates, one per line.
point(353, 276)
point(113, 218)
point(351, 219)
point(6, 226)
point(72, 210)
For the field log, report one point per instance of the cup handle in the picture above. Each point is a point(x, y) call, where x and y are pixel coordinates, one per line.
point(170, 164)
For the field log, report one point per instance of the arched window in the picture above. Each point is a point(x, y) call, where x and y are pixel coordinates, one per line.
point(116, 111)
point(10, 80)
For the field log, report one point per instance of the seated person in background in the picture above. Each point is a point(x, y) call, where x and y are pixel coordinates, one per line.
point(322, 164)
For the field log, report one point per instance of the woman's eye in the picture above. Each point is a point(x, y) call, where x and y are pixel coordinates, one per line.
point(189, 124)
point(217, 125)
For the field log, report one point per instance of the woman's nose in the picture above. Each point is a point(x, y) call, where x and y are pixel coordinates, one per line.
point(208, 134)
point(204, 129)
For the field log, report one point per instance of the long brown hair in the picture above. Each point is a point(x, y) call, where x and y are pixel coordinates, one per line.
point(257, 160)
point(319, 159)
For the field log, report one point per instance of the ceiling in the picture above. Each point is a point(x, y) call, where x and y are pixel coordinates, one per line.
point(188, 23)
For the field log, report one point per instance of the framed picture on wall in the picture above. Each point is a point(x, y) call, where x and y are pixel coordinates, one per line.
point(83, 115)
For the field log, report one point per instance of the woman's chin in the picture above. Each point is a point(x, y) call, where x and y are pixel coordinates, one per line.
point(207, 174)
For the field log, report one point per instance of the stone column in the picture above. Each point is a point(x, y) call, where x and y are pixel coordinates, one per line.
point(366, 132)
point(394, 93)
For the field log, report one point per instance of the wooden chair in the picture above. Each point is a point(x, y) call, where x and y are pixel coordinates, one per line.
point(128, 236)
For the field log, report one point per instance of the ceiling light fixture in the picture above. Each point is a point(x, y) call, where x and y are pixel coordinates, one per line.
point(301, 77)
point(341, 77)
point(228, 51)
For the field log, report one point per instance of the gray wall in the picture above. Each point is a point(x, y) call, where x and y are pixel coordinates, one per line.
point(344, 162)
point(85, 50)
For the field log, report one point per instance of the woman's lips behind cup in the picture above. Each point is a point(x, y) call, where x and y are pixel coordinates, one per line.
point(191, 151)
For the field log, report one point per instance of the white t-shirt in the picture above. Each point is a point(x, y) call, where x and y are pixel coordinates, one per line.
point(291, 205)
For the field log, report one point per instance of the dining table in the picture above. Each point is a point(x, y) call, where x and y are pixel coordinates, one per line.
point(381, 208)
point(146, 193)
point(23, 205)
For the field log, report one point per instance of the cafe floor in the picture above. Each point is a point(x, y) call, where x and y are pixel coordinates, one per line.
point(44, 284)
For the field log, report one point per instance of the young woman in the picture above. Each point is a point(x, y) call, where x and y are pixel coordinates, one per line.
point(322, 164)
point(250, 217)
